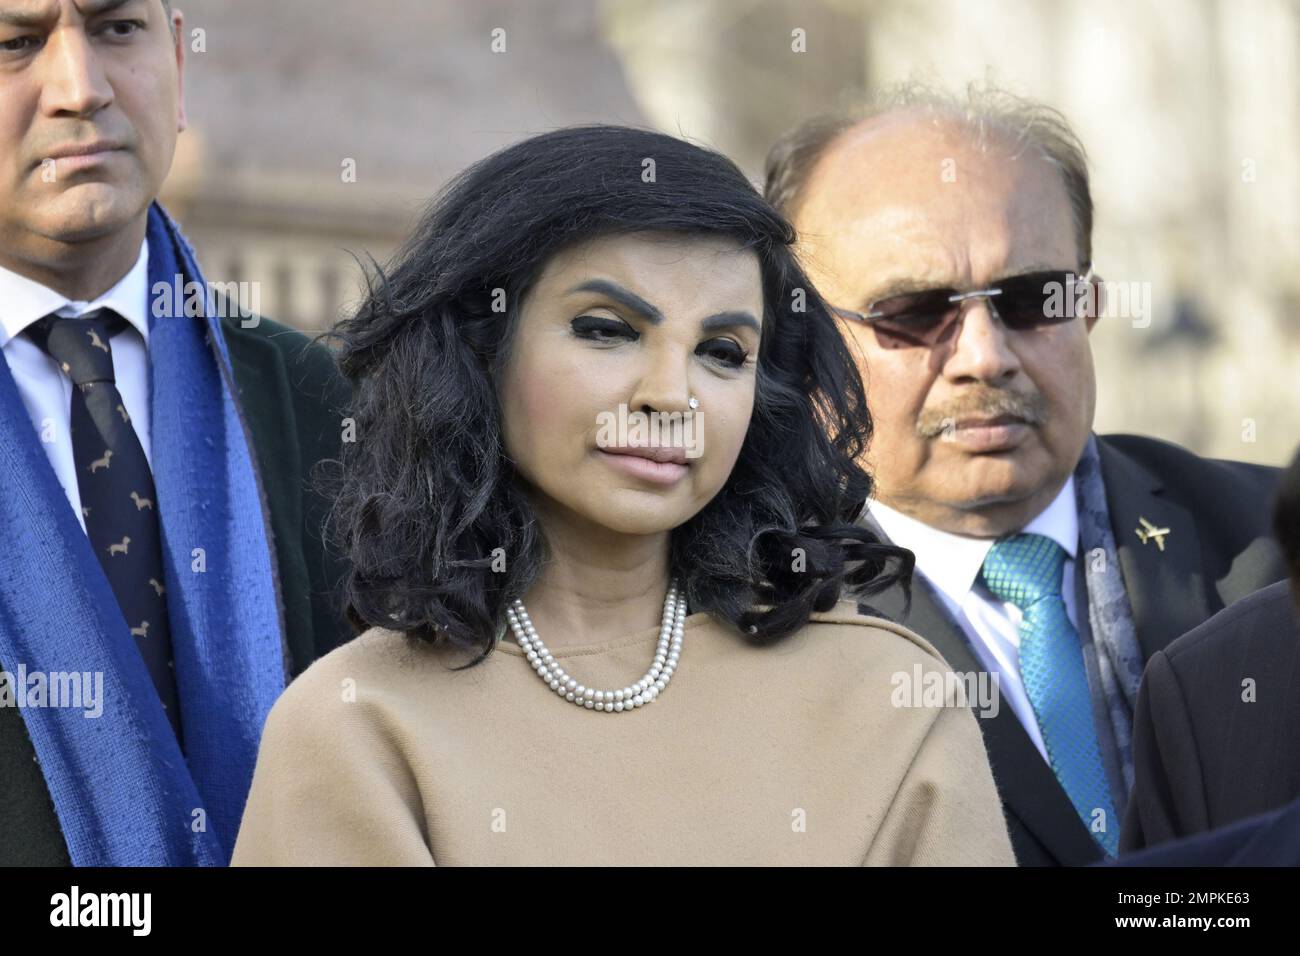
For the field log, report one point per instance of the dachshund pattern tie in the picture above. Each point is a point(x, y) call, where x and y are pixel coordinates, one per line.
point(118, 503)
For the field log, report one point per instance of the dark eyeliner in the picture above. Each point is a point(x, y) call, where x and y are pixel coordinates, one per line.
point(597, 329)
point(735, 355)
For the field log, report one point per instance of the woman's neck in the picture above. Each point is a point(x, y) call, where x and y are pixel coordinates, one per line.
point(597, 584)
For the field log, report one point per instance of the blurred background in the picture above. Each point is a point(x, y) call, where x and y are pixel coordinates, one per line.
point(320, 128)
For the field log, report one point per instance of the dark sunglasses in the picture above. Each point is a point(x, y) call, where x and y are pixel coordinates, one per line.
point(925, 319)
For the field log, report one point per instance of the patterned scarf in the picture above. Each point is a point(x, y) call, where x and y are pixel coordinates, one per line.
point(1119, 657)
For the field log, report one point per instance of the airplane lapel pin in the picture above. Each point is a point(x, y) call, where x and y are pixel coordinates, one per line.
point(1149, 532)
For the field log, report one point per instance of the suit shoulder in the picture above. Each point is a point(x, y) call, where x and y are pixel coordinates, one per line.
point(1178, 465)
point(1260, 626)
point(309, 367)
point(295, 346)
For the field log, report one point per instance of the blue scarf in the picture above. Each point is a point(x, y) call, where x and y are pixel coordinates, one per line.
point(1110, 617)
point(123, 792)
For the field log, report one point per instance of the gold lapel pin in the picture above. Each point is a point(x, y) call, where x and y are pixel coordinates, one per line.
point(1148, 532)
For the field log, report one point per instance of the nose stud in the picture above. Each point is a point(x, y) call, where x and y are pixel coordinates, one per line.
point(694, 402)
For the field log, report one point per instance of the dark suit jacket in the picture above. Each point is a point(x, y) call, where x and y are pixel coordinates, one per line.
point(293, 400)
point(1203, 756)
point(1218, 550)
point(1267, 839)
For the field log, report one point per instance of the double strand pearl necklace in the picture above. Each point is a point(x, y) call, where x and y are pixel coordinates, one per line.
point(643, 692)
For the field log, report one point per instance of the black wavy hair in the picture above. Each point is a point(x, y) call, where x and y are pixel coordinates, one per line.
point(426, 493)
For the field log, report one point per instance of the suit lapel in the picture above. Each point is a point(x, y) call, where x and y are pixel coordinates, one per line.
point(1026, 784)
point(1166, 589)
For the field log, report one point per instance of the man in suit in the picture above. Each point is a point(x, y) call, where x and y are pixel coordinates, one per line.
point(953, 240)
point(164, 573)
point(1216, 737)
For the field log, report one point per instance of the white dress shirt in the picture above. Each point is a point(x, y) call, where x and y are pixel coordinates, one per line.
point(952, 563)
point(46, 391)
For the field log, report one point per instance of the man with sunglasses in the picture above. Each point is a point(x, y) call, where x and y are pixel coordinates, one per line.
point(953, 240)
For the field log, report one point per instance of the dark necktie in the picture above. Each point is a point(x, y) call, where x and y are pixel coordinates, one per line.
point(118, 502)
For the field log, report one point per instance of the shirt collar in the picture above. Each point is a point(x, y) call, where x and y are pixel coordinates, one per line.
point(952, 562)
point(24, 301)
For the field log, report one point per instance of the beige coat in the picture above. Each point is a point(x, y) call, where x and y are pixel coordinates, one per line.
point(792, 754)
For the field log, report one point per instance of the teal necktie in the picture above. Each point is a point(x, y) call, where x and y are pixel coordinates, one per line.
point(1025, 569)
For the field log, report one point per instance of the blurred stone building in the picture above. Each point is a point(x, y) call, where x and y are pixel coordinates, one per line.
point(319, 129)
point(1190, 110)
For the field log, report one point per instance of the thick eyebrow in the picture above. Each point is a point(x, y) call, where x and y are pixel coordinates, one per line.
point(623, 296)
point(14, 18)
point(730, 320)
point(93, 8)
point(87, 9)
point(904, 286)
point(720, 320)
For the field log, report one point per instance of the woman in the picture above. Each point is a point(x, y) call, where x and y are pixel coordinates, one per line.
point(523, 541)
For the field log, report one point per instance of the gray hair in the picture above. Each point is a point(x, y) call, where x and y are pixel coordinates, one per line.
point(984, 110)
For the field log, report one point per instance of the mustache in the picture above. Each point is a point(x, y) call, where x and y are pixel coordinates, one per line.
point(1030, 408)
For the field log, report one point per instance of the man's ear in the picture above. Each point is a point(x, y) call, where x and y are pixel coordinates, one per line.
point(178, 40)
point(1098, 301)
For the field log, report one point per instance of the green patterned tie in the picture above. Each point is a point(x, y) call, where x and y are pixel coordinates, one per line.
point(1025, 569)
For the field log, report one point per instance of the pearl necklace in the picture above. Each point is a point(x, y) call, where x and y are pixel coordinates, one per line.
point(644, 691)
